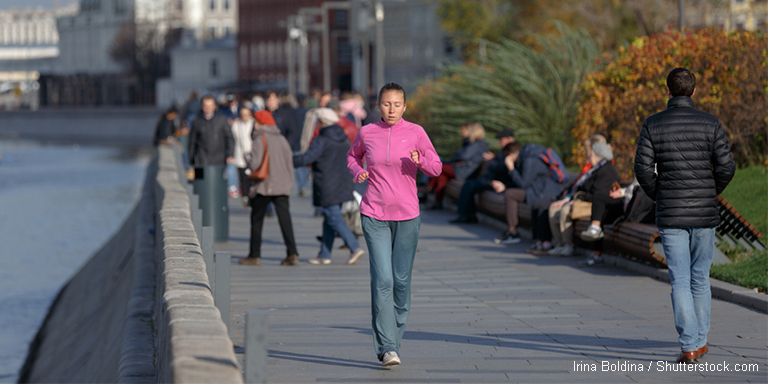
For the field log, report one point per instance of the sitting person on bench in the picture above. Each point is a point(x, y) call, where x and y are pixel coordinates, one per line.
point(465, 162)
point(495, 169)
point(534, 186)
point(560, 222)
point(597, 189)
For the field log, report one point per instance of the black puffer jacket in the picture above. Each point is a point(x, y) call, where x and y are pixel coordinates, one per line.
point(693, 160)
point(331, 183)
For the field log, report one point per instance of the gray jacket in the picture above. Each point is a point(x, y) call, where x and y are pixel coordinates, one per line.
point(280, 179)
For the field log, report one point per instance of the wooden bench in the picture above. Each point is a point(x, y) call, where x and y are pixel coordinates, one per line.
point(637, 240)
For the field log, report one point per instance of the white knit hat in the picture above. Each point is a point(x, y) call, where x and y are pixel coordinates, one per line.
point(327, 116)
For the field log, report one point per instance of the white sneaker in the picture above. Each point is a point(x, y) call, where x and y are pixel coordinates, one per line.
point(390, 358)
point(567, 250)
point(318, 260)
point(591, 261)
point(356, 255)
point(592, 233)
point(555, 250)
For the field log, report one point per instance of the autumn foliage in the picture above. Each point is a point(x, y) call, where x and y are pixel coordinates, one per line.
point(731, 77)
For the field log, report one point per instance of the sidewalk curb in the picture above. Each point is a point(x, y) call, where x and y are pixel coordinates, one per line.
point(720, 289)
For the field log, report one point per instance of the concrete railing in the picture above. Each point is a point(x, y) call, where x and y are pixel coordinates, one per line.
point(141, 309)
point(193, 343)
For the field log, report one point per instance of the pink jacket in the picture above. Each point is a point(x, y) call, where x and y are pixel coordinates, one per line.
point(391, 193)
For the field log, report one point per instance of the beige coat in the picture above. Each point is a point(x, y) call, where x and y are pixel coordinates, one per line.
point(280, 179)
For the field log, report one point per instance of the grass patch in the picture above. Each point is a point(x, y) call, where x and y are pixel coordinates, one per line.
point(749, 269)
point(748, 193)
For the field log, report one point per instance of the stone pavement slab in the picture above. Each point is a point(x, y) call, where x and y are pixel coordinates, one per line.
point(481, 313)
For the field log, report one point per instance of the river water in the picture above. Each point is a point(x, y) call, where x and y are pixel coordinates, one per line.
point(58, 206)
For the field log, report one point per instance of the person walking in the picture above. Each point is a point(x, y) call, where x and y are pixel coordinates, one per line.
point(242, 131)
point(275, 188)
point(690, 152)
point(394, 150)
point(210, 137)
point(330, 186)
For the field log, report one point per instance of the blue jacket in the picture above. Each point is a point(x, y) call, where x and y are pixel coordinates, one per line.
point(532, 175)
point(331, 182)
point(470, 158)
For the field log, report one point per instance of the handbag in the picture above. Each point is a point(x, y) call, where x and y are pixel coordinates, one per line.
point(263, 171)
point(580, 208)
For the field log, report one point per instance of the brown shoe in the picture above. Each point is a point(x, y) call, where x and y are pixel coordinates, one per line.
point(290, 260)
point(703, 350)
point(688, 357)
point(250, 261)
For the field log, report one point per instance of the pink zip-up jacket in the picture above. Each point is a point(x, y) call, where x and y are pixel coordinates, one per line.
point(391, 193)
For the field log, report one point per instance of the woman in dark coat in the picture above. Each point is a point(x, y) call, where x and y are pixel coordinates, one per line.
point(331, 184)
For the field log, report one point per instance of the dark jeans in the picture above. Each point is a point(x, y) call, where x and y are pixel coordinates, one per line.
point(606, 209)
point(258, 210)
point(466, 207)
point(244, 182)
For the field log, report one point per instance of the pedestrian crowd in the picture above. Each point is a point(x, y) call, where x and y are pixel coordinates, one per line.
point(364, 162)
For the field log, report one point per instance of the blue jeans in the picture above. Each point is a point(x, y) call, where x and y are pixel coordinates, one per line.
point(689, 256)
point(233, 179)
point(332, 225)
point(391, 248)
point(301, 174)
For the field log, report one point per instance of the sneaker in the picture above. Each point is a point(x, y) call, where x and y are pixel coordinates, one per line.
point(250, 261)
point(304, 192)
point(591, 261)
point(356, 255)
point(319, 261)
point(507, 238)
point(555, 251)
point(567, 250)
point(245, 201)
point(390, 358)
point(290, 260)
point(233, 192)
point(592, 233)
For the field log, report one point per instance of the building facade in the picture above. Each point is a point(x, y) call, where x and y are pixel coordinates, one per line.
point(264, 46)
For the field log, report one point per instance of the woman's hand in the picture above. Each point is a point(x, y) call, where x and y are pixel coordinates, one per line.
point(415, 157)
point(559, 203)
point(363, 177)
point(498, 186)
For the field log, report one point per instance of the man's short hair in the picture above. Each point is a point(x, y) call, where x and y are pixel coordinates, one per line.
point(506, 132)
point(208, 97)
point(681, 82)
point(511, 148)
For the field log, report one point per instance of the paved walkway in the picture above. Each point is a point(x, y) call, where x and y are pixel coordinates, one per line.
point(480, 313)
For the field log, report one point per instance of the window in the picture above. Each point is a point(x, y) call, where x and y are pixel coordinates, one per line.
point(344, 53)
point(179, 5)
point(121, 7)
point(212, 5)
point(227, 30)
point(243, 55)
point(214, 68)
point(226, 5)
point(341, 18)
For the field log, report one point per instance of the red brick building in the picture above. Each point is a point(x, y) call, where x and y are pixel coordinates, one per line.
point(261, 45)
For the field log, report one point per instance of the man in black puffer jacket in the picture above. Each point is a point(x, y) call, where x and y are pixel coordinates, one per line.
point(693, 162)
point(330, 185)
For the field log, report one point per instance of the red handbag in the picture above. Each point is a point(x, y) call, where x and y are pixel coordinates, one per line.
point(263, 171)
